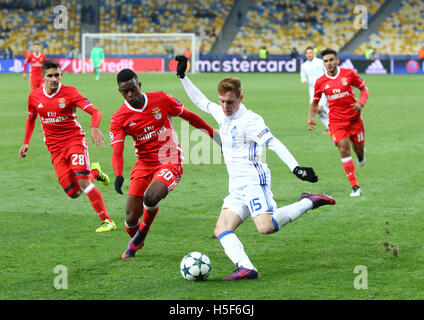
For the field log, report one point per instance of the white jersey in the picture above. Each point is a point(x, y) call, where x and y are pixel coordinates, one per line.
point(243, 136)
point(310, 71)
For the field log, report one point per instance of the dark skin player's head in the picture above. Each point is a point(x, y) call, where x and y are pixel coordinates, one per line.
point(130, 88)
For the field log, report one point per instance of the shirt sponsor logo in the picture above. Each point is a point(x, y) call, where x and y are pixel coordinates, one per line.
point(338, 95)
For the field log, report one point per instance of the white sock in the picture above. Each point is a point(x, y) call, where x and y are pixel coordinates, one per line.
point(234, 250)
point(289, 213)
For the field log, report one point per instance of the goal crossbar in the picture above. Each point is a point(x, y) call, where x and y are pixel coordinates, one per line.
point(190, 36)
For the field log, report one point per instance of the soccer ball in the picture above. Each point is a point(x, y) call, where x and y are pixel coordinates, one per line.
point(195, 266)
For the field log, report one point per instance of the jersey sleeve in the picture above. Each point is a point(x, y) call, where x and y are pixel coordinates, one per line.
point(80, 101)
point(257, 130)
point(201, 101)
point(175, 107)
point(356, 80)
point(84, 104)
point(317, 92)
point(116, 132)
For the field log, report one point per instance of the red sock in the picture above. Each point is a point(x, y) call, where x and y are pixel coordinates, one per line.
point(94, 174)
point(96, 200)
point(349, 168)
point(149, 215)
point(133, 229)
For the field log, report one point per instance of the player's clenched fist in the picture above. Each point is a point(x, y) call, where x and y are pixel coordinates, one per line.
point(305, 174)
point(181, 66)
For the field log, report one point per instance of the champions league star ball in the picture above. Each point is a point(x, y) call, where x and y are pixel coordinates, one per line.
point(195, 266)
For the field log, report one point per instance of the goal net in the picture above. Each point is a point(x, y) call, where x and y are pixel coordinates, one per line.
point(141, 52)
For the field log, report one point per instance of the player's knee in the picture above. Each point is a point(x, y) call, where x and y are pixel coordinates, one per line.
point(266, 228)
point(74, 194)
point(151, 198)
point(219, 229)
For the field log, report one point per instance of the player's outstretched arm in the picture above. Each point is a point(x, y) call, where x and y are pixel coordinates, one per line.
point(282, 152)
point(195, 95)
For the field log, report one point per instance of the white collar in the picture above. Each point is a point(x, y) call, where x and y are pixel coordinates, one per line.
point(337, 74)
point(135, 109)
point(54, 93)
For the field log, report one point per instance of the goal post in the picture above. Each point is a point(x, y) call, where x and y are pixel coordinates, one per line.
point(144, 52)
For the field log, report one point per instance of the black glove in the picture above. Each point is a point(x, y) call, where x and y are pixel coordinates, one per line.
point(305, 174)
point(118, 184)
point(181, 66)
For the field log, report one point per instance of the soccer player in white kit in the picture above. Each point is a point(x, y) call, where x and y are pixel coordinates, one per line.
point(310, 71)
point(244, 134)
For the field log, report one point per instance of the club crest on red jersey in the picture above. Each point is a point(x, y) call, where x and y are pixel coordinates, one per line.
point(344, 81)
point(62, 103)
point(157, 113)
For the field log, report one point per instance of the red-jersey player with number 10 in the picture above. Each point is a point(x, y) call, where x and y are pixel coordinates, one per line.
point(56, 105)
point(146, 117)
point(345, 121)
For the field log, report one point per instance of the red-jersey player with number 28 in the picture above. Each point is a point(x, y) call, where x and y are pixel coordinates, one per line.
point(146, 117)
point(56, 105)
point(345, 121)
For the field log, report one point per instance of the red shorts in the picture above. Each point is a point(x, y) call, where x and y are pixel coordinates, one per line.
point(353, 129)
point(71, 164)
point(142, 176)
point(36, 81)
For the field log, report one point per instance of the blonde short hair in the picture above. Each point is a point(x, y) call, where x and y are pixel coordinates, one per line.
point(230, 84)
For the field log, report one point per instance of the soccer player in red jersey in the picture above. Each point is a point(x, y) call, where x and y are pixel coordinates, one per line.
point(146, 117)
point(56, 105)
point(36, 59)
point(345, 121)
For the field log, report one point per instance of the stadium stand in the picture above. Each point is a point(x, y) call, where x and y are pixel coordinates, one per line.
point(204, 17)
point(282, 25)
point(25, 21)
point(401, 33)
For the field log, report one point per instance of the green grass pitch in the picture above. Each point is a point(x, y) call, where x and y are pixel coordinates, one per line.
point(311, 258)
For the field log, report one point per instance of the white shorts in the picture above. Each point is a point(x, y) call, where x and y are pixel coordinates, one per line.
point(251, 201)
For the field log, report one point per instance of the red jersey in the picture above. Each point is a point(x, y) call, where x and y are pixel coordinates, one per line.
point(339, 92)
point(36, 63)
point(58, 116)
point(151, 128)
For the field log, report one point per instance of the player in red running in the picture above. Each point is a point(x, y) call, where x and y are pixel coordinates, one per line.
point(65, 140)
point(345, 121)
point(36, 59)
point(146, 117)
